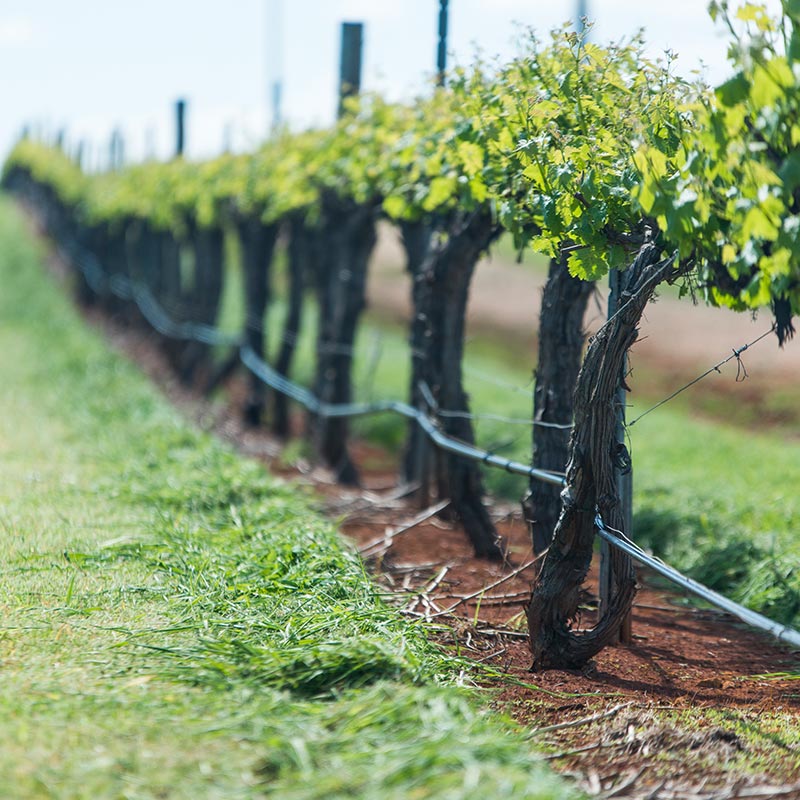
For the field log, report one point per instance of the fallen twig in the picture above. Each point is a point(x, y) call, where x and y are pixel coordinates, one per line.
point(578, 751)
point(618, 790)
point(575, 723)
point(430, 587)
point(491, 655)
point(494, 585)
point(390, 535)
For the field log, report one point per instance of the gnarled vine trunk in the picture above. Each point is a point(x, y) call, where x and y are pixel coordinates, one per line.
point(349, 234)
point(416, 237)
point(208, 245)
point(111, 253)
point(440, 294)
point(301, 255)
point(561, 343)
point(592, 489)
point(258, 244)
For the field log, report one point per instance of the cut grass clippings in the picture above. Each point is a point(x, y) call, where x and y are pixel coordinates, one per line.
point(175, 623)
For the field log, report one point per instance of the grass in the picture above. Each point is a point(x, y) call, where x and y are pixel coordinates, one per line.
point(175, 623)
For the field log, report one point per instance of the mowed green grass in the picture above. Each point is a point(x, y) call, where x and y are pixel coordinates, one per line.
point(719, 501)
point(176, 624)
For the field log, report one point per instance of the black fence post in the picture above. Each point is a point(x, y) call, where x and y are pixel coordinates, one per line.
point(616, 282)
point(350, 66)
point(441, 54)
point(180, 127)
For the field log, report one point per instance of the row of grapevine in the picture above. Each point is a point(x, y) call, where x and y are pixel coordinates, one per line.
point(595, 156)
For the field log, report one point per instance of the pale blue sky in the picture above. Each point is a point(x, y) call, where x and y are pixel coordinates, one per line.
point(89, 65)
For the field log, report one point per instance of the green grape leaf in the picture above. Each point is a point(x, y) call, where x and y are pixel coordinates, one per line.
point(442, 189)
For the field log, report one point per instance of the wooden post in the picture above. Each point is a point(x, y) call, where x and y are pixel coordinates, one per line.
point(422, 461)
point(180, 127)
point(616, 282)
point(441, 53)
point(227, 137)
point(350, 65)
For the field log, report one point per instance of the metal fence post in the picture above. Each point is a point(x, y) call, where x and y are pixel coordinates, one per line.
point(350, 65)
point(441, 52)
point(180, 127)
point(624, 479)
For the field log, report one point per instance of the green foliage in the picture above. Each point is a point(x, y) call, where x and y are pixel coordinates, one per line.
point(49, 166)
point(729, 197)
point(578, 112)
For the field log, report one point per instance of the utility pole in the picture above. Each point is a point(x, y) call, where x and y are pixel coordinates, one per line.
point(583, 13)
point(180, 127)
point(441, 52)
point(350, 65)
point(274, 61)
point(116, 150)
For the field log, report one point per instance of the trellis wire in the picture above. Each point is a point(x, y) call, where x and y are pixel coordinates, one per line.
point(207, 334)
point(740, 375)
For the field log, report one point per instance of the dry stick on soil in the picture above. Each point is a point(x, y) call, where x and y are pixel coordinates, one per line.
point(768, 791)
point(392, 495)
point(491, 586)
point(498, 632)
point(515, 600)
point(583, 720)
point(432, 585)
point(496, 599)
point(734, 792)
point(491, 656)
point(580, 750)
point(388, 538)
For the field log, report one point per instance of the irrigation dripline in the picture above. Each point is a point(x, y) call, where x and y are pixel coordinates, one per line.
point(125, 289)
point(619, 540)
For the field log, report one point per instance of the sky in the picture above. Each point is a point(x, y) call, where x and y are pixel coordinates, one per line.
point(90, 66)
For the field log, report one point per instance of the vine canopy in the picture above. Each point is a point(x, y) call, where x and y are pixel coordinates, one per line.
point(729, 197)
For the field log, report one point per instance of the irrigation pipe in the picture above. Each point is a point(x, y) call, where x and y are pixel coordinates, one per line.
point(207, 334)
point(282, 384)
point(781, 632)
